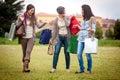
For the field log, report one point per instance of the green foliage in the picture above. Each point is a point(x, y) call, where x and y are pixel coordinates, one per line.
point(99, 32)
point(8, 13)
point(109, 34)
point(117, 30)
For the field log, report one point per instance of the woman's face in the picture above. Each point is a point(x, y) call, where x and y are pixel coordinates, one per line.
point(63, 14)
point(31, 11)
point(82, 11)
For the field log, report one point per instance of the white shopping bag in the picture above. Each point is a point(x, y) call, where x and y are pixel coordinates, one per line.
point(11, 35)
point(91, 45)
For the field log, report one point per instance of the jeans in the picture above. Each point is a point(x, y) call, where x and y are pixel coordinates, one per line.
point(62, 40)
point(80, 57)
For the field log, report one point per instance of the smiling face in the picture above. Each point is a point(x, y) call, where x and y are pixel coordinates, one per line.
point(31, 11)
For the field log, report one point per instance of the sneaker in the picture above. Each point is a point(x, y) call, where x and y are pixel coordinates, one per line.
point(79, 72)
point(52, 71)
point(68, 70)
point(89, 72)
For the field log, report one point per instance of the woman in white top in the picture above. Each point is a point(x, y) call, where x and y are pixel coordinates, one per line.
point(29, 21)
point(60, 36)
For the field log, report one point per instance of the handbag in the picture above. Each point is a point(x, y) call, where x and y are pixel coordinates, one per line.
point(20, 32)
point(91, 45)
point(50, 49)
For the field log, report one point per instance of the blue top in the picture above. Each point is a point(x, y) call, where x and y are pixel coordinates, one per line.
point(83, 32)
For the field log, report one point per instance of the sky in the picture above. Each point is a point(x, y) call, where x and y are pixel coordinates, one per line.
point(103, 8)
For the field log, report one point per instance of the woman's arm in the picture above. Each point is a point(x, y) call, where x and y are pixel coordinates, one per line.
point(92, 25)
point(67, 21)
point(19, 21)
point(54, 31)
point(40, 24)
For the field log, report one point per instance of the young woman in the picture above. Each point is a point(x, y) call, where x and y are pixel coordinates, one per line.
point(60, 36)
point(87, 28)
point(29, 21)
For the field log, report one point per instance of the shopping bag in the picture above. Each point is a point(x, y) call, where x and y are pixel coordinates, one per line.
point(91, 45)
point(51, 49)
point(72, 44)
point(11, 35)
point(73, 22)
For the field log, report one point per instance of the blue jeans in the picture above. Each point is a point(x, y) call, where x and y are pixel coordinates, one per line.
point(62, 40)
point(80, 57)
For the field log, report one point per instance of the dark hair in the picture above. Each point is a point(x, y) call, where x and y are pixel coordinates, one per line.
point(87, 12)
point(33, 19)
point(29, 6)
point(60, 10)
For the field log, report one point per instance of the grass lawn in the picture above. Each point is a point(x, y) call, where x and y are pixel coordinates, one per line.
point(103, 43)
point(106, 65)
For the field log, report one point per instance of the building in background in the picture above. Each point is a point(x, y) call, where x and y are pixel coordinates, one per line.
point(105, 24)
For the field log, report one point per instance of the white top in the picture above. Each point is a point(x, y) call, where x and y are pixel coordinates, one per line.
point(28, 31)
point(62, 27)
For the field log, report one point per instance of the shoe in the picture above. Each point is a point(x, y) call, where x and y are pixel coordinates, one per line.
point(89, 72)
point(26, 71)
point(25, 66)
point(79, 72)
point(68, 70)
point(52, 71)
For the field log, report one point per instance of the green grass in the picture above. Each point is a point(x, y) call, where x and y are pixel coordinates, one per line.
point(101, 43)
point(106, 65)
point(115, 43)
point(5, 41)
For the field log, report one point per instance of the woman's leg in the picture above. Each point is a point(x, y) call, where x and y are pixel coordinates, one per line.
point(56, 53)
point(67, 55)
point(80, 57)
point(30, 44)
point(23, 42)
point(89, 62)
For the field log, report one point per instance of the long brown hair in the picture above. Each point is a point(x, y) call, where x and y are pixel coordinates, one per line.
point(33, 18)
point(87, 12)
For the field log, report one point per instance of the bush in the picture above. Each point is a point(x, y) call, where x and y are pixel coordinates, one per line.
point(109, 34)
point(99, 32)
point(117, 30)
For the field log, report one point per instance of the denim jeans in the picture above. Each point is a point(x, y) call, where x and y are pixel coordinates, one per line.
point(80, 57)
point(62, 40)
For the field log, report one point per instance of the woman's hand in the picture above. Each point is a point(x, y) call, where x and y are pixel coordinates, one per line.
point(76, 26)
point(50, 42)
point(90, 30)
point(21, 17)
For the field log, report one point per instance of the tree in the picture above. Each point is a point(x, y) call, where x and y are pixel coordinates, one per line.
point(117, 29)
point(99, 32)
point(109, 34)
point(8, 13)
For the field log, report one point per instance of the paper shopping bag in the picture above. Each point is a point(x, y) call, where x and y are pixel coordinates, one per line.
point(91, 45)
